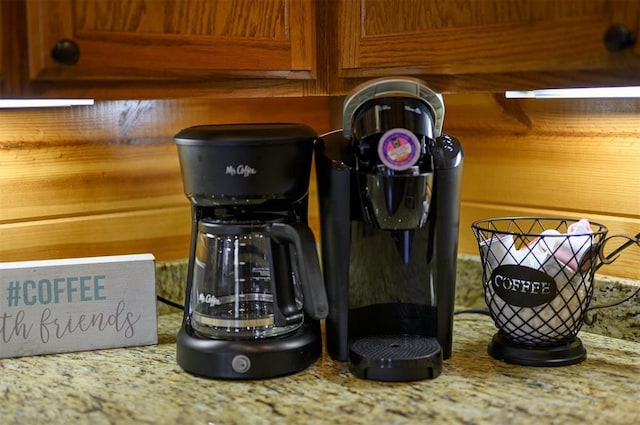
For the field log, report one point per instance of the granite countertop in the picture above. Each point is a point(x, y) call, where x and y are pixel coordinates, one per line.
point(144, 385)
point(620, 321)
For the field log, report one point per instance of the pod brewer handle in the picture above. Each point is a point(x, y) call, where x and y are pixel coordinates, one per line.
point(315, 297)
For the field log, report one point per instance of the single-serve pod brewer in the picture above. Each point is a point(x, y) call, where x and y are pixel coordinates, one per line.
point(538, 283)
point(389, 192)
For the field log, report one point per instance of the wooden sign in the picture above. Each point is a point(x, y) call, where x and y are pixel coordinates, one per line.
point(79, 304)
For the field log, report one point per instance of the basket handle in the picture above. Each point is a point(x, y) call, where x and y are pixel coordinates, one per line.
point(608, 259)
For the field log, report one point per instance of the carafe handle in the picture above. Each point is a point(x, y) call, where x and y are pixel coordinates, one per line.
point(300, 235)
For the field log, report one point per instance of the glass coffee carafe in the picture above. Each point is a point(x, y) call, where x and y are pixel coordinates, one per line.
point(247, 279)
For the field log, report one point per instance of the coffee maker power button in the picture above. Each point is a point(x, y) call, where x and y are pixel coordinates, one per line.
point(241, 364)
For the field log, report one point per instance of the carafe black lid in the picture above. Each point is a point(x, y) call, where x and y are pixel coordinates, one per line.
point(241, 135)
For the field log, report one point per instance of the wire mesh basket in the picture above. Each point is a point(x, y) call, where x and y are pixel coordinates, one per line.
point(538, 275)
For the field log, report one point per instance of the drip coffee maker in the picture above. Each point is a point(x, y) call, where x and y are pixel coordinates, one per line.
point(389, 190)
point(254, 293)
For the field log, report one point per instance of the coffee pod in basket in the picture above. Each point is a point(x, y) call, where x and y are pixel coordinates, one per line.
point(501, 249)
point(537, 307)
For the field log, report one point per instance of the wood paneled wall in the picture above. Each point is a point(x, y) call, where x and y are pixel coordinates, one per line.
point(568, 158)
point(105, 179)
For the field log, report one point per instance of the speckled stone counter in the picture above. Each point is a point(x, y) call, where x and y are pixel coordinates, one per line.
point(144, 385)
point(621, 321)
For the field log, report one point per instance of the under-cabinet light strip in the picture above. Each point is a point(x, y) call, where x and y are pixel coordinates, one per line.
point(576, 93)
point(43, 103)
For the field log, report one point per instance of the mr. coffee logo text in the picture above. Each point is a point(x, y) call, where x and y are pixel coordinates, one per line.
point(210, 299)
point(240, 170)
point(31, 309)
point(523, 286)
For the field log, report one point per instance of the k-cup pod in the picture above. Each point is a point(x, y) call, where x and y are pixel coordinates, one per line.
point(499, 249)
point(572, 249)
point(399, 149)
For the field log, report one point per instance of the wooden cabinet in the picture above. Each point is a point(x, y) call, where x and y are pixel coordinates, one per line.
point(476, 41)
point(2, 70)
point(182, 41)
point(122, 49)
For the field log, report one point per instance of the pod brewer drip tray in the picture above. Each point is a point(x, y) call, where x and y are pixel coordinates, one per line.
point(396, 357)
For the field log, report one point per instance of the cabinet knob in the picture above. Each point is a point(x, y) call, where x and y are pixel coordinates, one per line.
point(66, 52)
point(618, 37)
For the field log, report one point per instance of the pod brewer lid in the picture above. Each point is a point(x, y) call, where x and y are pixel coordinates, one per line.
point(393, 86)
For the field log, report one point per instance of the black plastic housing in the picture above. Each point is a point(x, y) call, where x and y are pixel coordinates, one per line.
point(239, 172)
point(246, 164)
point(245, 360)
point(372, 290)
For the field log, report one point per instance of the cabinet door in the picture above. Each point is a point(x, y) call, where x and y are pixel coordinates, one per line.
point(170, 39)
point(479, 36)
point(2, 70)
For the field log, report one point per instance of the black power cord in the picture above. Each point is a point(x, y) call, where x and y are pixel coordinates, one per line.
point(472, 311)
point(170, 303)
